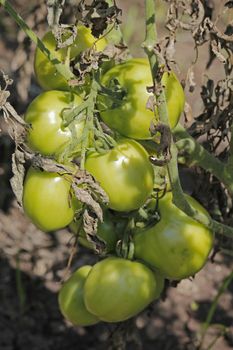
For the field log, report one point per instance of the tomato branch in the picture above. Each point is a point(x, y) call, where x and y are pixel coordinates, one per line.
point(196, 154)
point(61, 68)
point(89, 123)
point(229, 166)
point(150, 46)
point(213, 307)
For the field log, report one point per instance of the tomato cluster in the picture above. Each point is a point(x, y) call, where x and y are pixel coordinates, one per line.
point(173, 246)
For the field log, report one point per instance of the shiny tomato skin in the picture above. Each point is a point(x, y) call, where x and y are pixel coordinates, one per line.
point(177, 245)
point(131, 118)
point(106, 231)
point(71, 301)
point(46, 73)
point(117, 289)
point(125, 173)
point(47, 200)
point(47, 134)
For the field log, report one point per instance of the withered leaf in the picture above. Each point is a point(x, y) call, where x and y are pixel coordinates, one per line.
point(55, 8)
point(90, 225)
point(229, 4)
point(191, 79)
point(85, 197)
point(216, 48)
point(65, 35)
point(97, 15)
point(151, 103)
point(50, 165)
point(83, 177)
point(18, 161)
point(90, 193)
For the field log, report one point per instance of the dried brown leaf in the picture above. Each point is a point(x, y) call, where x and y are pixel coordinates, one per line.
point(55, 8)
point(151, 103)
point(85, 197)
point(90, 225)
point(65, 35)
point(50, 165)
point(191, 79)
point(18, 161)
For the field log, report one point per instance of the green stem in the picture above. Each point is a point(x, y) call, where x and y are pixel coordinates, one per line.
point(61, 68)
point(89, 124)
point(172, 167)
point(222, 229)
point(214, 305)
point(229, 166)
point(178, 196)
point(19, 285)
point(195, 154)
point(151, 37)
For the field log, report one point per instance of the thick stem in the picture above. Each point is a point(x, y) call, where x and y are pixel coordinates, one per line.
point(195, 154)
point(213, 307)
point(61, 68)
point(151, 36)
point(89, 123)
point(222, 229)
point(229, 166)
point(148, 45)
point(172, 166)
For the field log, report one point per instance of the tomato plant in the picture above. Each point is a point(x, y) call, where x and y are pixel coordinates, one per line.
point(130, 117)
point(71, 300)
point(117, 289)
point(46, 73)
point(129, 97)
point(47, 199)
point(125, 174)
point(107, 231)
point(47, 134)
point(177, 245)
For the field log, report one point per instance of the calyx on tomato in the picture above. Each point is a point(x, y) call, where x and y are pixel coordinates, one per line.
point(71, 301)
point(48, 200)
point(46, 73)
point(177, 245)
point(129, 116)
point(47, 134)
point(125, 173)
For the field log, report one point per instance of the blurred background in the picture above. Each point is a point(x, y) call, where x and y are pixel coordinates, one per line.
point(33, 263)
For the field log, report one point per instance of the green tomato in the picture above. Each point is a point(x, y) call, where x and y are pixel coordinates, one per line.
point(106, 231)
point(125, 173)
point(47, 199)
point(117, 289)
point(47, 134)
point(46, 73)
point(130, 117)
point(71, 300)
point(177, 245)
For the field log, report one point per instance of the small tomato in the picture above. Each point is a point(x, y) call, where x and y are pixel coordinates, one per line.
point(117, 289)
point(177, 245)
point(129, 116)
point(47, 134)
point(71, 301)
point(46, 73)
point(47, 199)
point(125, 173)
